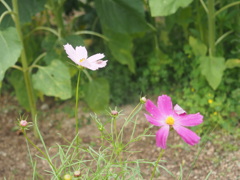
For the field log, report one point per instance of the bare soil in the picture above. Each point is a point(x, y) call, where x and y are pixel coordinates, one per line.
point(220, 157)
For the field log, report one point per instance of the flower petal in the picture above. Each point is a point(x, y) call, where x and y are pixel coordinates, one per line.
point(154, 121)
point(187, 135)
point(190, 119)
point(161, 137)
point(165, 105)
point(71, 52)
point(152, 109)
point(81, 52)
point(95, 57)
point(93, 65)
point(179, 110)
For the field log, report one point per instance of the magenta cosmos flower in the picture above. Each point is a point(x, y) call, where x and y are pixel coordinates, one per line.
point(165, 116)
point(80, 57)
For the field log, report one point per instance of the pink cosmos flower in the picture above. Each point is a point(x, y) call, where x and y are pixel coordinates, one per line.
point(80, 57)
point(165, 116)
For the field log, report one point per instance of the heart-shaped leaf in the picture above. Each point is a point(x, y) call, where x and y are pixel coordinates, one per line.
point(166, 7)
point(10, 49)
point(212, 68)
point(53, 80)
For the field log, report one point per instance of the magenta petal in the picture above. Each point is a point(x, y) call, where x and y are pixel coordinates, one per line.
point(179, 110)
point(165, 104)
point(152, 109)
point(152, 120)
point(187, 135)
point(161, 137)
point(190, 119)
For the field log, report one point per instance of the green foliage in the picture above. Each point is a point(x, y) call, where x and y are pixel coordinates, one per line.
point(212, 68)
point(96, 94)
point(165, 8)
point(53, 80)
point(10, 49)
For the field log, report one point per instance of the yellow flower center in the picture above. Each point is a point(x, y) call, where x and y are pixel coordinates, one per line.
point(170, 120)
point(81, 60)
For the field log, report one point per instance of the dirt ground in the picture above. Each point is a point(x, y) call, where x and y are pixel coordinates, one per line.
point(220, 157)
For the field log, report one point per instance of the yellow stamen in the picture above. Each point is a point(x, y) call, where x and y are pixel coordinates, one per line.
point(170, 120)
point(83, 59)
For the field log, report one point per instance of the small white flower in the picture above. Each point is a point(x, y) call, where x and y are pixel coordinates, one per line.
point(80, 57)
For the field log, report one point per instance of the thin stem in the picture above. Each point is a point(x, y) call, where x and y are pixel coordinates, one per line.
point(211, 27)
point(222, 37)
point(27, 78)
point(39, 150)
point(92, 33)
point(76, 105)
point(204, 6)
point(6, 5)
point(157, 162)
point(87, 74)
point(227, 6)
point(4, 14)
point(17, 67)
point(36, 60)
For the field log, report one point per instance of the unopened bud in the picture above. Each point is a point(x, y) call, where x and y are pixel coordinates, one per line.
point(23, 123)
point(67, 177)
point(143, 100)
point(77, 173)
point(114, 113)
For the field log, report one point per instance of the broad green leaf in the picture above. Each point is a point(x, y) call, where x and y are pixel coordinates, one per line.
point(10, 49)
point(96, 94)
point(17, 80)
point(122, 16)
point(166, 7)
point(53, 80)
point(26, 9)
point(232, 63)
point(212, 68)
point(121, 48)
point(199, 49)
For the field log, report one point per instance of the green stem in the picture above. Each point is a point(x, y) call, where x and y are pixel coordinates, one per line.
point(76, 105)
point(227, 6)
point(39, 150)
point(156, 164)
point(211, 27)
point(25, 68)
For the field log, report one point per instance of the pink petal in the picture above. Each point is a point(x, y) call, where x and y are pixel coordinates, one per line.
point(93, 65)
point(187, 135)
point(190, 119)
point(152, 109)
point(161, 137)
point(179, 110)
point(81, 52)
point(71, 52)
point(101, 63)
point(95, 57)
point(155, 122)
point(165, 105)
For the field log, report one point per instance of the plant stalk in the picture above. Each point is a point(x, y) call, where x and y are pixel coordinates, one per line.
point(24, 62)
point(157, 162)
point(76, 105)
point(211, 27)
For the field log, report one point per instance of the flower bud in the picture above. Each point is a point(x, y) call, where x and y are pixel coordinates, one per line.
point(77, 173)
point(23, 123)
point(143, 100)
point(67, 177)
point(114, 113)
